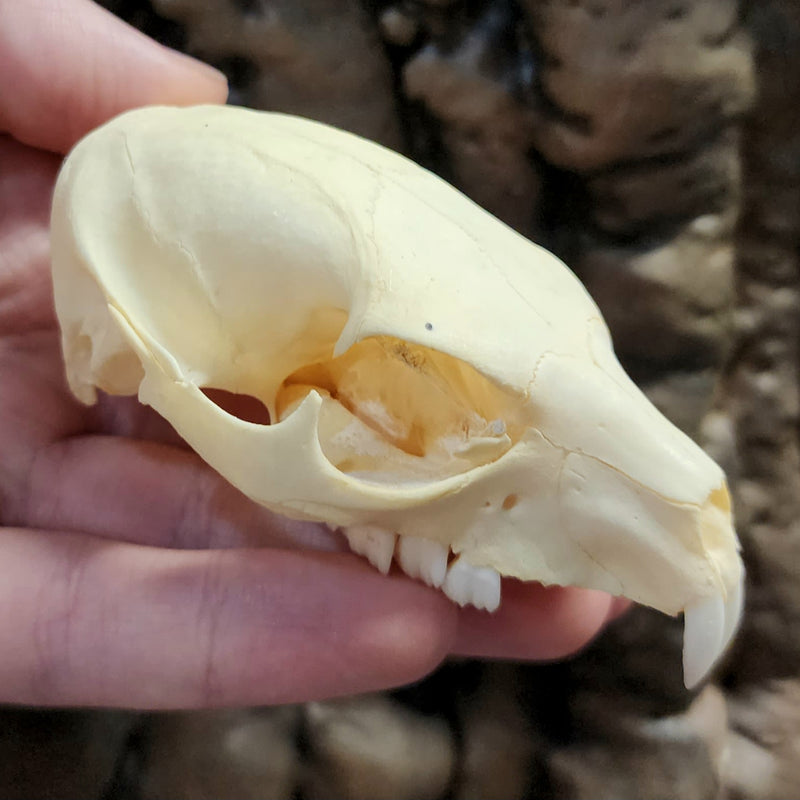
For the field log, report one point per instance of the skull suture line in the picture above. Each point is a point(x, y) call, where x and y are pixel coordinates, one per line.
point(440, 387)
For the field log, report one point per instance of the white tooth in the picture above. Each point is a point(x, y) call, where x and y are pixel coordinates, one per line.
point(703, 642)
point(457, 583)
point(469, 585)
point(376, 544)
point(733, 612)
point(423, 559)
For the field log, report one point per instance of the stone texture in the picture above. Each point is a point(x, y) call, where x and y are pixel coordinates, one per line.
point(647, 198)
point(622, 81)
point(668, 304)
point(687, 399)
point(494, 730)
point(315, 58)
point(373, 748)
point(679, 757)
point(634, 669)
point(486, 133)
point(620, 134)
point(215, 755)
point(763, 388)
point(763, 746)
point(59, 754)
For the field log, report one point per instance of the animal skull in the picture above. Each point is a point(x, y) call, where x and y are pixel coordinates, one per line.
point(441, 388)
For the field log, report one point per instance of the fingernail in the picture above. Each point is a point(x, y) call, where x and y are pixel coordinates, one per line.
point(201, 70)
point(202, 67)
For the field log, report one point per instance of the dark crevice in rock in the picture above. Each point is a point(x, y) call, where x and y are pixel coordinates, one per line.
point(423, 133)
point(723, 37)
point(467, 84)
point(304, 748)
point(251, 7)
point(438, 696)
point(763, 374)
point(715, 134)
point(240, 70)
point(565, 209)
point(644, 239)
point(419, 129)
point(644, 371)
point(547, 106)
point(675, 12)
point(141, 15)
point(125, 782)
point(649, 233)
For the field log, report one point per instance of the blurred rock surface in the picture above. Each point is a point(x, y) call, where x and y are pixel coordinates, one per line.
point(211, 755)
point(60, 755)
point(655, 147)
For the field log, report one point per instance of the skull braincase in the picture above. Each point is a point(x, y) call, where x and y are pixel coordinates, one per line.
point(426, 369)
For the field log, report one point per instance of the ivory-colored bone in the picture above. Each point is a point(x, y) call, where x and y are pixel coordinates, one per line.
point(428, 371)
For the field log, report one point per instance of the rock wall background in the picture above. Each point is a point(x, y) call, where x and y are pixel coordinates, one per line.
point(656, 147)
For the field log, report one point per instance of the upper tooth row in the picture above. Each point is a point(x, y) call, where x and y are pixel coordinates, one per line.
point(427, 561)
point(710, 625)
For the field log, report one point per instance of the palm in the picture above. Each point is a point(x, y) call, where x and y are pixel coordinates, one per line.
point(35, 408)
point(128, 564)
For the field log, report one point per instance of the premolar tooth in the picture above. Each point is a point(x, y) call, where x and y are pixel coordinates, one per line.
point(376, 544)
point(423, 559)
point(703, 638)
point(466, 584)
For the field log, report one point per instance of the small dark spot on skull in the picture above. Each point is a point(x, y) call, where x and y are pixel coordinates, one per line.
point(428, 326)
point(510, 501)
point(487, 504)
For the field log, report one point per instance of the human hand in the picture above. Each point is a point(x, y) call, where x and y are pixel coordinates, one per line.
point(131, 574)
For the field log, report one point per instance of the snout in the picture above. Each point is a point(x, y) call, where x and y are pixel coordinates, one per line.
point(647, 506)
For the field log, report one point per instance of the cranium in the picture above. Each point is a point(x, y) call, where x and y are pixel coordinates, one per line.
point(439, 387)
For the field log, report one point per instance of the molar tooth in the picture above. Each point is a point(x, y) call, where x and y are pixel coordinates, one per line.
point(703, 638)
point(466, 584)
point(376, 544)
point(423, 558)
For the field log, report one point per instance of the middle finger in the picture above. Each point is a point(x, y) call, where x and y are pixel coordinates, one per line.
point(154, 494)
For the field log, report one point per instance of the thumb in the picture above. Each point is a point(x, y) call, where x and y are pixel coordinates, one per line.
point(66, 66)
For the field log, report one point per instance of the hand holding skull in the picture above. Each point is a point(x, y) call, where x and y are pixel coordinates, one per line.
point(132, 574)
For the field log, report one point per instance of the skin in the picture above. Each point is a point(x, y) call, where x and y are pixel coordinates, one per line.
point(135, 576)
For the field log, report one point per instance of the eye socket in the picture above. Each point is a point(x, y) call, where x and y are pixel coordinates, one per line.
point(392, 406)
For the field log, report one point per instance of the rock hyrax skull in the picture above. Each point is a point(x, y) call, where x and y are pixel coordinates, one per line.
point(439, 387)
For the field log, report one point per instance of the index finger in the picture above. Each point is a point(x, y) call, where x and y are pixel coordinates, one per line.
point(67, 66)
point(101, 623)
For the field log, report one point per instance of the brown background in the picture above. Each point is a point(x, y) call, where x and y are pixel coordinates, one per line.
point(655, 146)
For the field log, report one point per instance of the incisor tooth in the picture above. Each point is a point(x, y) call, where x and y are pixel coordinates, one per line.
point(376, 544)
point(423, 559)
point(466, 584)
point(703, 638)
